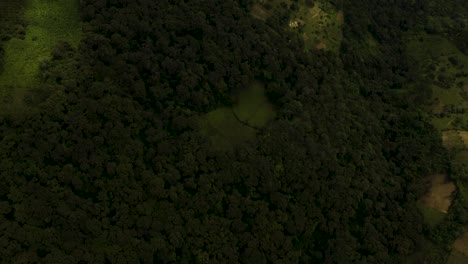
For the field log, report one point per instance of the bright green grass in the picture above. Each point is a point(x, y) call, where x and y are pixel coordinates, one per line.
point(226, 131)
point(432, 217)
point(49, 21)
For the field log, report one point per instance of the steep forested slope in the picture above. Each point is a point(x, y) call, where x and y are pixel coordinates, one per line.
point(112, 167)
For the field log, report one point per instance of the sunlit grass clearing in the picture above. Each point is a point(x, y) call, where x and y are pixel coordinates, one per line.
point(48, 22)
point(229, 126)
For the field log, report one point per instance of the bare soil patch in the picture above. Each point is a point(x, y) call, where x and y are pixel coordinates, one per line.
point(455, 139)
point(452, 139)
point(464, 137)
point(440, 194)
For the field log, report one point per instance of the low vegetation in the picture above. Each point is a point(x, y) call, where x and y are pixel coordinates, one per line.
point(229, 126)
point(443, 64)
point(432, 216)
point(47, 23)
point(319, 23)
point(441, 193)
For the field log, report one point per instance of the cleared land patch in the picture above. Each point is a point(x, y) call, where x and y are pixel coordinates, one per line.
point(455, 139)
point(452, 139)
point(322, 26)
point(48, 22)
point(446, 68)
point(318, 22)
point(229, 126)
point(253, 107)
point(440, 194)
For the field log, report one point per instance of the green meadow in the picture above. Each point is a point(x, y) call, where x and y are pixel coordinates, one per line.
point(445, 67)
point(48, 22)
point(432, 216)
point(320, 24)
point(229, 126)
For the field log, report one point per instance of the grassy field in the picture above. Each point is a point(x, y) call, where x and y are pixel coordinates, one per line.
point(253, 106)
point(320, 24)
point(446, 67)
point(442, 123)
point(440, 194)
point(452, 139)
point(229, 126)
point(48, 21)
point(432, 216)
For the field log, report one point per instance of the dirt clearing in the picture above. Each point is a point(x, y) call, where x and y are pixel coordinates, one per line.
point(440, 194)
point(452, 139)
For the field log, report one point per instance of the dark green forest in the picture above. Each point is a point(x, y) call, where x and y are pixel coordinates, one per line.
point(108, 162)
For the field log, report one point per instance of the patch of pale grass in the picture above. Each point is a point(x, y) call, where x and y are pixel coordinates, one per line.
point(440, 194)
point(321, 23)
point(464, 137)
point(451, 139)
point(48, 22)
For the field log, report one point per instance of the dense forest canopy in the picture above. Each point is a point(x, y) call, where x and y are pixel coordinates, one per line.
point(195, 132)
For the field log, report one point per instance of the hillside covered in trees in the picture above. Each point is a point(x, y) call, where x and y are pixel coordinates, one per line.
point(209, 131)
